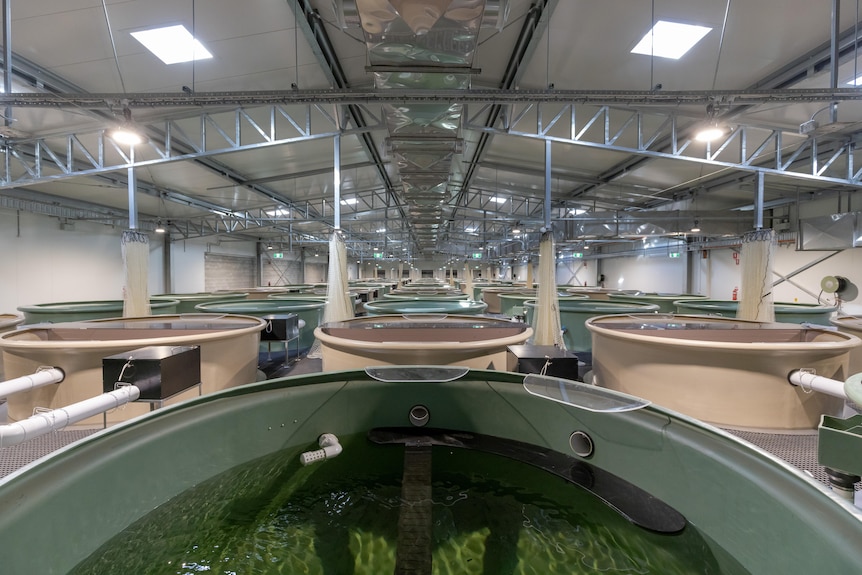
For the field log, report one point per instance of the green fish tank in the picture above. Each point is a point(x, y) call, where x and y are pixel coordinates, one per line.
point(420, 469)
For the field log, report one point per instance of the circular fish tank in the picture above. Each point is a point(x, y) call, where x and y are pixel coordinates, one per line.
point(491, 296)
point(784, 312)
point(592, 292)
point(512, 303)
point(270, 307)
point(436, 306)
point(426, 339)
point(309, 308)
point(8, 322)
point(479, 286)
point(853, 325)
point(265, 292)
point(87, 310)
point(449, 295)
point(501, 480)
point(729, 372)
point(188, 301)
point(666, 302)
point(228, 349)
point(575, 312)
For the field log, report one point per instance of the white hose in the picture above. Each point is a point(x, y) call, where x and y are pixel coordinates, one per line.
point(809, 381)
point(55, 419)
point(32, 381)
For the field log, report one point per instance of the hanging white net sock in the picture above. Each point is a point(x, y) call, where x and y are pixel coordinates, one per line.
point(136, 260)
point(756, 301)
point(339, 303)
point(547, 328)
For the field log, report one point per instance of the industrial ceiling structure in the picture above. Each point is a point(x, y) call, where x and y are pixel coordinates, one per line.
point(420, 128)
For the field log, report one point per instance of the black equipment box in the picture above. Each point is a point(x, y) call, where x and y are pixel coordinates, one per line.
point(542, 359)
point(159, 371)
point(280, 327)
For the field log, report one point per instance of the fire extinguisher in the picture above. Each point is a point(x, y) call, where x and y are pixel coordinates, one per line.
point(735, 293)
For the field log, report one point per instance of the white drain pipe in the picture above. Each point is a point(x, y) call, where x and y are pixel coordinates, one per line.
point(43, 376)
point(809, 381)
point(329, 448)
point(56, 419)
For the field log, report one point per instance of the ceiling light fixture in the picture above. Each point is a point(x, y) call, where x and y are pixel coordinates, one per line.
point(172, 44)
point(670, 39)
point(160, 229)
point(709, 133)
point(696, 227)
point(127, 133)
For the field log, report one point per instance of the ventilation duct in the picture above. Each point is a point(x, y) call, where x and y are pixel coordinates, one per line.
point(834, 232)
point(427, 45)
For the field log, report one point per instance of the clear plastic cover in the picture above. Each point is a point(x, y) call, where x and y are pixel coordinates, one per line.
point(406, 374)
point(581, 395)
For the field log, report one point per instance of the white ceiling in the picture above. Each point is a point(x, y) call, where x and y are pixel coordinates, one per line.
point(581, 47)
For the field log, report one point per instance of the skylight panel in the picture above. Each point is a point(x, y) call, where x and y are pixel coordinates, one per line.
point(670, 39)
point(855, 82)
point(172, 44)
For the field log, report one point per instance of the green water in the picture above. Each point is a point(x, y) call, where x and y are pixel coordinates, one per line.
point(490, 515)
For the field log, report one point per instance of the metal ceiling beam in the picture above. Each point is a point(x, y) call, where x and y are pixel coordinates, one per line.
point(56, 86)
point(746, 149)
point(361, 97)
point(812, 62)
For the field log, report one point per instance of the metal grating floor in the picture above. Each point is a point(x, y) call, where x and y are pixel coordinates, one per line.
point(15, 456)
point(797, 449)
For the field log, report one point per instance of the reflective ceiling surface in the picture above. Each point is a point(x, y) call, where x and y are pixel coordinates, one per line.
point(432, 127)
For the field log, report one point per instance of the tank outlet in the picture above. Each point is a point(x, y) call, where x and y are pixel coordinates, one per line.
point(329, 448)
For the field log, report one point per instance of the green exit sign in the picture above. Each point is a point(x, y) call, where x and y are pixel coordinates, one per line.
point(674, 254)
point(378, 255)
point(578, 255)
point(477, 256)
point(278, 256)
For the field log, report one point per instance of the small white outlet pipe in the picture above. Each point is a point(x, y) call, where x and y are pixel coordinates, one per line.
point(55, 419)
point(329, 448)
point(44, 376)
point(809, 381)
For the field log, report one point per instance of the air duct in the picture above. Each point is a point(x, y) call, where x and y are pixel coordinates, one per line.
point(429, 45)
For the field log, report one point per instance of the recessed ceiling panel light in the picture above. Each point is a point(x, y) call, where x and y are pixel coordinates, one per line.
point(855, 82)
point(670, 39)
point(498, 200)
point(348, 201)
point(172, 44)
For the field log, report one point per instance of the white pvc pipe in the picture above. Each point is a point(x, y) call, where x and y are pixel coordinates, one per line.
point(42, 423)
point(329, 448)
point(32, 381)
point(809, 381)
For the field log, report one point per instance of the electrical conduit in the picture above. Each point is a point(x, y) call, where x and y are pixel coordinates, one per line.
point(56, 419)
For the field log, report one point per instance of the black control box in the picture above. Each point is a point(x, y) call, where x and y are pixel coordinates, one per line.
point(159, 371)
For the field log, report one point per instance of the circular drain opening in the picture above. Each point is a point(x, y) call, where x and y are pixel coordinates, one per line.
point(581, 444)
point(419, 415)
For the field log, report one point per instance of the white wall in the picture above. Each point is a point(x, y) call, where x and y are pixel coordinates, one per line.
point(43, 263)
point(645, 273)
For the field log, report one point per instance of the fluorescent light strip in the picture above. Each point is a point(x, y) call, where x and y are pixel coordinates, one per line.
point(670, 39)
point(172, 44)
